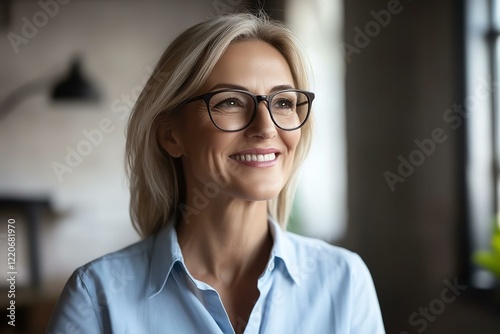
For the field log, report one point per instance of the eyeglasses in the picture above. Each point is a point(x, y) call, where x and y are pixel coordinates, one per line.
point(234, 110)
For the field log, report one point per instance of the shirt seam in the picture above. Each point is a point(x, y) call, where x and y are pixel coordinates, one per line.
point(81, 273)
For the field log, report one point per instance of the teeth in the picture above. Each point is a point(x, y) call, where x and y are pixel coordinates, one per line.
point(255, 157)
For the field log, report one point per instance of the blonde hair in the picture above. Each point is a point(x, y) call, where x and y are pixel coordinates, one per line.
point(156, 179)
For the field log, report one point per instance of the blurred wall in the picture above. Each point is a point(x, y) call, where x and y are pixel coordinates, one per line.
point(401, 78)
point(119, 42)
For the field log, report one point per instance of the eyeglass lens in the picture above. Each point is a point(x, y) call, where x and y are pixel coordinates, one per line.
point(234, 110)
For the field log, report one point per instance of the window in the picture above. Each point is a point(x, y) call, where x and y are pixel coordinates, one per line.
point(321, 206)
point(481, 116)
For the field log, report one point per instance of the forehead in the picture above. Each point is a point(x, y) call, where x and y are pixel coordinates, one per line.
point(253, 64)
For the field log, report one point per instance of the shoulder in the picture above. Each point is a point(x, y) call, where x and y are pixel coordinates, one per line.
point(110, 282)
point(326, 259)
point(306, 246)
point(338, 282)
point(121, 263)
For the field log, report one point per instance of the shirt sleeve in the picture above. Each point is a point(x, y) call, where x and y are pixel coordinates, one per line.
point(366, 315)
point(75, 311)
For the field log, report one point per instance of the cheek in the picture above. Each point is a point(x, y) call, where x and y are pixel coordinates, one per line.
point(196, 120)
point(207, 151)
point(291, 140)
point(198, 133)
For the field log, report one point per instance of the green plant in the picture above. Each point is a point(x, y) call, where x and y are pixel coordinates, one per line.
point(490, 260)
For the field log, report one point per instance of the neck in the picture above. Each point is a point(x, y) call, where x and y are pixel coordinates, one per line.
point(226, 241)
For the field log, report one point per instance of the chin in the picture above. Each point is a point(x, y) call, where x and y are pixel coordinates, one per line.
point(257, 189)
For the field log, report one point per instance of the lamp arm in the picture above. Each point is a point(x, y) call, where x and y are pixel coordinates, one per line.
point(20, 94)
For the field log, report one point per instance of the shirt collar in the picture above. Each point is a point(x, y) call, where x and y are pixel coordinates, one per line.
point(166, 252)
point(284, 250)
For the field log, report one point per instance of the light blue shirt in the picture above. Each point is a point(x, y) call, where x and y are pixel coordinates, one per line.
point(308, 286)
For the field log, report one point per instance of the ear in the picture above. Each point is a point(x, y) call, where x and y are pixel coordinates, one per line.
point(171, 142)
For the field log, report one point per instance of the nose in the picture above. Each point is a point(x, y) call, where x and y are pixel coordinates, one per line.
point(262, 126)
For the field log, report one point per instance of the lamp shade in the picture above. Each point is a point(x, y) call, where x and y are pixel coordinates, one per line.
point(75, 87)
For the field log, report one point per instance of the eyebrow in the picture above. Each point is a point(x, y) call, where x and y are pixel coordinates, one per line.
point(232, 86)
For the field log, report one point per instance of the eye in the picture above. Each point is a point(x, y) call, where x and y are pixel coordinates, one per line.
point(283, 103)
point(231, 103)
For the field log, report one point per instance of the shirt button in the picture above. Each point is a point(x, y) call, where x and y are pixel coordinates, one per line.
point(271, 266)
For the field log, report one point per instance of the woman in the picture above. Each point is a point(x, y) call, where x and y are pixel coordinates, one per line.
point(213, 146)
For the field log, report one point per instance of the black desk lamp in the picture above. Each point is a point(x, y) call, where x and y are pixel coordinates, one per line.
point(74, 87)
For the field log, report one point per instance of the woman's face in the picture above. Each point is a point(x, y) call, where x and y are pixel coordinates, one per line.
point(216, 162)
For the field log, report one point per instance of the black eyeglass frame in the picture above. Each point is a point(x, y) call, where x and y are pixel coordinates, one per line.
point(257, 99)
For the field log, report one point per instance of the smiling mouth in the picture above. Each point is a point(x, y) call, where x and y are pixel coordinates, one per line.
point(254, 157)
